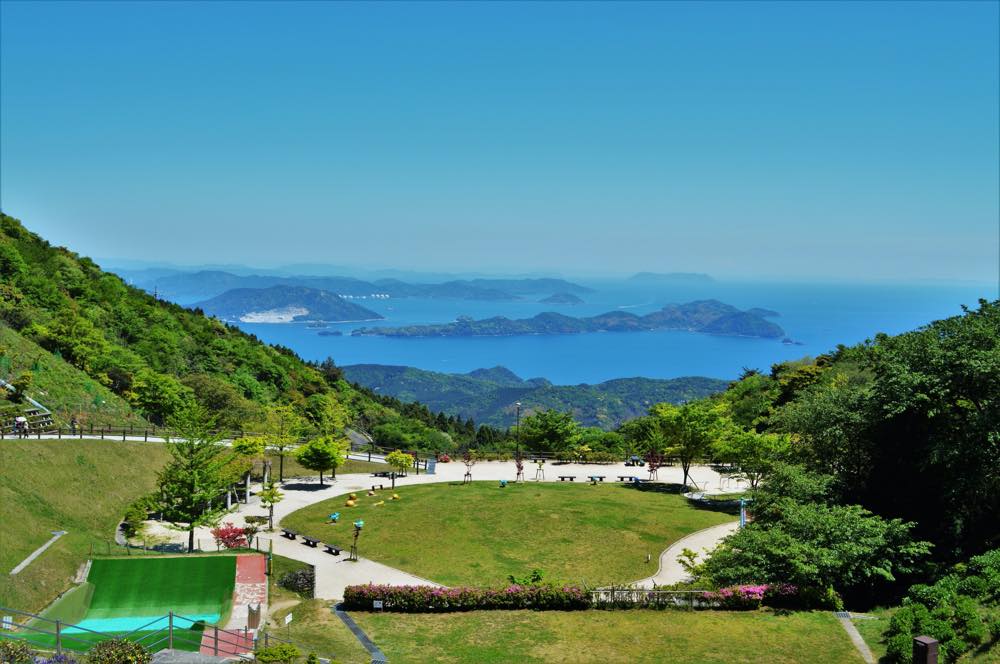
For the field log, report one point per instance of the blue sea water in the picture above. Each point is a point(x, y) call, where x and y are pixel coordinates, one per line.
point(819, 315)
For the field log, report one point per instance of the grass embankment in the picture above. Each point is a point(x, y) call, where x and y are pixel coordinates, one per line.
point(709, 637)
point(294, 469)
point(80, 486)
point(62, 388)
point(478, 534)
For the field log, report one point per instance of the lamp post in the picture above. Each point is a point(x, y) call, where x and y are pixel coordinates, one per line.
point(517, 404)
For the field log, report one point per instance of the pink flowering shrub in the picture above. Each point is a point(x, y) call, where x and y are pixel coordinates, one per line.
point(428, 599)
point(753, 596)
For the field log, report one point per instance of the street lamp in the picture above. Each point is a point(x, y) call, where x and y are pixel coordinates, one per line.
point(518, 405)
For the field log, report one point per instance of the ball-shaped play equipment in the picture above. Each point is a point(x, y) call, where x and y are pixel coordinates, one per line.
point(350, 503)
point(395, 496)
point(353, 496)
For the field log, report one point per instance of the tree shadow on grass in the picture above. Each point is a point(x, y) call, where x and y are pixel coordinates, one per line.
point(305, 486)
point(677, 489)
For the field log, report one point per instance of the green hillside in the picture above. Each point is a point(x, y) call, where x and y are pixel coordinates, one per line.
point(59, 386)
point(80, 486)
point(488, 395)
point(155, 355)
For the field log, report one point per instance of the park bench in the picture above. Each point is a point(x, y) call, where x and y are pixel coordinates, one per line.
point(290, 534)
point(381, 473)
point(311, 541)
point(571, 478)
point(627, 478)
point(332, 548)
point(597, 478)
point(380, 486)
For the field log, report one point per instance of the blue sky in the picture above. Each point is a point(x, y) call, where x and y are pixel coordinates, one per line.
point(850, 140)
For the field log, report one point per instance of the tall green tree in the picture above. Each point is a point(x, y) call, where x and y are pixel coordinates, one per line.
point(688, 430)
point(322, 454)
point(282, 426)
point(550, 431)
point(193, 485)
point(754, 454)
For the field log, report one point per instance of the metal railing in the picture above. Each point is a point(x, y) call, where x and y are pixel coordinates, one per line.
point(627, 597)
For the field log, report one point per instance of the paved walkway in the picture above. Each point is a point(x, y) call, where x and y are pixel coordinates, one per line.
point(702, 542)
point(333, 573)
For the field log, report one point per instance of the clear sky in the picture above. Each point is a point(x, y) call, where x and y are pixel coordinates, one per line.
point(853, 140)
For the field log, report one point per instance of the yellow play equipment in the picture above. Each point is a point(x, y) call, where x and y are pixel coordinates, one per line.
point(350, 503)
point(380, 503)
point(395, 496)
point(353, 496)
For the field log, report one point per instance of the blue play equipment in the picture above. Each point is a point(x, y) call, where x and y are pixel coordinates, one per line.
point(335, 517)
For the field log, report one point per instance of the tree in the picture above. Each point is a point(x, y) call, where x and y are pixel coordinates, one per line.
point(753, 454)
point(159, 396)
point(687, 430)
point(21, 386)
point(251, 448)
point(282, 426)
point(550, 431)
point(193, 482)
point(323, 453)
point(400, 461)
point(270, 496)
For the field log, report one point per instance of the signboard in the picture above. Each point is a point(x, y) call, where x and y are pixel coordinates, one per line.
point(431, 466)
point(377, 604)
point(8, 622)
point(288, 619)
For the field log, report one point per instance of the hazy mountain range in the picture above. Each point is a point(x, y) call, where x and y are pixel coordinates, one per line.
point(488, 395)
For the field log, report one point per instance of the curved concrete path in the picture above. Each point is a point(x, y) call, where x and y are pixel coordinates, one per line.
point(333, 573)
point(702, 542)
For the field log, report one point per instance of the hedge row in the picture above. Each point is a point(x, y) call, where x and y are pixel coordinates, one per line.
point(430, 599)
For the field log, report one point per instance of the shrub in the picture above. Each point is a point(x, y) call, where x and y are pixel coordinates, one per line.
point(284, 653)
point(118, 651)
point(444, 458)
point(15, 652)
point(300, 581)
point(429, 599)
point(754, 596)
point(55, 659)
point(136, 514)
point(230, 536)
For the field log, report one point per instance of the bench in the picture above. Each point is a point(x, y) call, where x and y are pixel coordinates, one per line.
point(571, 478)
point(380, 486)
point(597, 478)
point(381, 473)
point(290, 534)
point(332, 548)
point(311, 541)
point(627, 478)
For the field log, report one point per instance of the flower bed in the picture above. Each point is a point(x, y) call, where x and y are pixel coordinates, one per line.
point(430, 599)
point(753, 596)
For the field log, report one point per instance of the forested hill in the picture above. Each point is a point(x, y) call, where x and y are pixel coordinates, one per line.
point(159, 356)
point(489, 395)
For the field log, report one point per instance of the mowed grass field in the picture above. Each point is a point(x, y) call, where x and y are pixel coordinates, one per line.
point(479, 534)
point(639, 636)
point(80, 486)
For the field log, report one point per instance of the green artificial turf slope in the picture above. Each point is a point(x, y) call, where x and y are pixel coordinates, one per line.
point(154, 586)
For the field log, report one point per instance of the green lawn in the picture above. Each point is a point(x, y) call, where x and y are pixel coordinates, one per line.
point(706, 637)
point(294, 469)
point(479, 533)
point(314, 628)
point(81, 486)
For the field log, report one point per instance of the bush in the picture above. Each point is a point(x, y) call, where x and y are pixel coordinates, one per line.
point(118, 651)
point(230, 536)
point(284, 653)
point(300, 581)
point(136, 514)
point(15, 652)
point(429, 599)
point(754, 596)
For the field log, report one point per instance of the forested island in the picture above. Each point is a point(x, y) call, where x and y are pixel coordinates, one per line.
point(706, 316)
point(284, 304)
point(561, 298)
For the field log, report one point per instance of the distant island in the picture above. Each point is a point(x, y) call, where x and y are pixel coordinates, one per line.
point(188, 287)
point(671, 277)
point(706, 316)
point(284, 304)
point(488, 395)
point(562, 298)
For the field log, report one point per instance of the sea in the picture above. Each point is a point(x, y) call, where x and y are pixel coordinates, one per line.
point(817, 316)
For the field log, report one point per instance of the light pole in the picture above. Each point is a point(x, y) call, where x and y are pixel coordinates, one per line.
point(517, 404)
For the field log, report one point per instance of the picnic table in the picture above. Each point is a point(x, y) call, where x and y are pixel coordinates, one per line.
point(571, 478)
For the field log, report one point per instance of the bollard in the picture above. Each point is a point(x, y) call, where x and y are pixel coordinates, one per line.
point(925, 650)
point(59, 637)
point(170, 631)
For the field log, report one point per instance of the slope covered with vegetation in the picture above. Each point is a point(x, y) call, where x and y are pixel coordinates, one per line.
point(158, 356)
